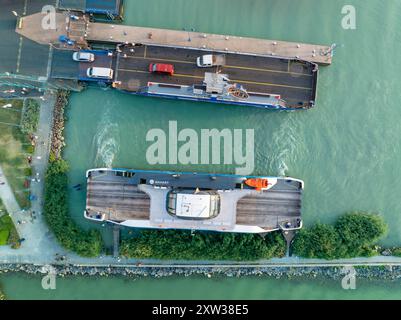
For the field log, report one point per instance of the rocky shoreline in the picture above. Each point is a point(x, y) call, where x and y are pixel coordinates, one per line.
point(333, 273)
point(57, 141)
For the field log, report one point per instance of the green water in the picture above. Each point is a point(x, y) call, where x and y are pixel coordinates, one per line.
point(194, 288)
point(347, 149)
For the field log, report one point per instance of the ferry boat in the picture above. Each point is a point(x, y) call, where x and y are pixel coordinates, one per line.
point(193, 201)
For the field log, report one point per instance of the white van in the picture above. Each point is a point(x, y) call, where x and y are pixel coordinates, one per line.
point(101, 73)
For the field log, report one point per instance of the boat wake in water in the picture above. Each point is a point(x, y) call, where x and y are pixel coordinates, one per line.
point(106, 141)
point(285, 141)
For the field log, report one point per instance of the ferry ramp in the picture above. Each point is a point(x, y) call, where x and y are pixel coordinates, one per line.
point(62, 65)
point(295, 81)
point(270, 209)
point(65, 68)
point(118, 200)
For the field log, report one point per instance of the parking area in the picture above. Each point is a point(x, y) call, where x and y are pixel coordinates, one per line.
point(295, 81)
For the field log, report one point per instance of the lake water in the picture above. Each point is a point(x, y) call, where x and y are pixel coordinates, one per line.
point(22, 286)
point(347, 149)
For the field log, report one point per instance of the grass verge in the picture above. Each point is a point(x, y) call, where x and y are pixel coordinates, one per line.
point(8, 232)
point(15, 147)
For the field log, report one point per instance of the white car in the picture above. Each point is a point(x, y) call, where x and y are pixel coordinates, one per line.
point(83, 56)
point(101, 73)
point(211, 60)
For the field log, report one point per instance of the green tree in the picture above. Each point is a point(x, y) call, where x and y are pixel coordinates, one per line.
point(319, 241)
point(358, 232)
point(353, 235)
point(178, 244)
point(70, 235)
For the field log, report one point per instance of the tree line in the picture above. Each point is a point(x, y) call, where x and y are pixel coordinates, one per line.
point(187, 245)
point(68, 233)
point(352, 235)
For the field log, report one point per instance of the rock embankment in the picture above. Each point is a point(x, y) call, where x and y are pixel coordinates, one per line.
point(334, 273)
point(57, 142)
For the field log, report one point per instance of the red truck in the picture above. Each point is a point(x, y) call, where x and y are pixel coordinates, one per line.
point(161, 68)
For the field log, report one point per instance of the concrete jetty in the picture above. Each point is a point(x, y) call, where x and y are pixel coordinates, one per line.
point(31, 27)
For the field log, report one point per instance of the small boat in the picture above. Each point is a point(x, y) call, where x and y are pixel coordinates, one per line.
point(257, 183)
point(77, 185)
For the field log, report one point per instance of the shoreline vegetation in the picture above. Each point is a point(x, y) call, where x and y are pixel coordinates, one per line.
point(56, 213)
point(2, 295)
point(176, 244)
point(352, 235)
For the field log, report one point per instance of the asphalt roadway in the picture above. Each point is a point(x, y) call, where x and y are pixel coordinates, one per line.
point(19, 55)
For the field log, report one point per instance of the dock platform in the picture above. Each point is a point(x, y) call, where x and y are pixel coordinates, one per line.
point(116, 33)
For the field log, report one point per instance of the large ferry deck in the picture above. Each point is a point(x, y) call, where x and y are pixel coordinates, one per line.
point(293, 80)
point(138, 199)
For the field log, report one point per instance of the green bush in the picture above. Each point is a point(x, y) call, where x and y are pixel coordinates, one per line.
point(3, 155)
point(353, 235)
point(2, 295)
point(30, 149)
point(30, 117)
point(8, 233)
point(4, 237)
point(28, 172)
point(175, 244)
point(358, 232)
point(396, 252)
point(70, 235)
point(320, 241)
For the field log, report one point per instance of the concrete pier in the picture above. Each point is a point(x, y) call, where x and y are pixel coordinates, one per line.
point(31, 27)
point(102, 32)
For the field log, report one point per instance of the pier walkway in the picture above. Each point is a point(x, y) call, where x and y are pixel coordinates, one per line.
point(111, 33)
point(102, 32)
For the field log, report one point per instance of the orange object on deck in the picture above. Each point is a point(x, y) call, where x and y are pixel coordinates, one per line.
point(257, 183)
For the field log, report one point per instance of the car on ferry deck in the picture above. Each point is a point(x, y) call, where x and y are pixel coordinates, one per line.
point(81, 56)
point(100, 73)
point(162, 68)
